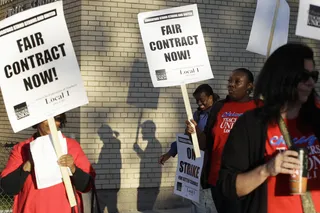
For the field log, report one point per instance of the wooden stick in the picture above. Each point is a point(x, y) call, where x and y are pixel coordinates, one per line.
point(190, 116)
point(274, 22)
point(64, 170)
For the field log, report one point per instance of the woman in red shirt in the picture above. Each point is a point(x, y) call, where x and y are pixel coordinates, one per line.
point(18, 177)
point(256, 163)
point(222, 118)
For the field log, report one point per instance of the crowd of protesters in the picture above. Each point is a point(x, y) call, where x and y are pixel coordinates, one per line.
point(247, 138)
point(248, 162)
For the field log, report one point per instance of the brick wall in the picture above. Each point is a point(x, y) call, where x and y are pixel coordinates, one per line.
point(124, 107)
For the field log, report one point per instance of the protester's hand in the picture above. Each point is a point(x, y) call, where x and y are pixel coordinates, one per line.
point(136, 146)
point(189, 128)
point(27, 166)
point(163, 158)
point(283, 163)
point(67, 161)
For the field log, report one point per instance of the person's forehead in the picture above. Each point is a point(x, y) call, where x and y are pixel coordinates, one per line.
point(201, 95)
point(238, 74)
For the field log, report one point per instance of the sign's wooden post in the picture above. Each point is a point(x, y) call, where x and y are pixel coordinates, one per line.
point(64, 170)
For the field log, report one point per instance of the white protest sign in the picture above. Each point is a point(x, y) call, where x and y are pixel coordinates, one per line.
point(270, 26)
point(40, 75)
point(308, 24)
point(188, 174)
point(44, 156)
point(174, 46)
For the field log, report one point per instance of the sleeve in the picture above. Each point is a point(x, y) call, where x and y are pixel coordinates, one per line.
point(173, 149)
point(84, 174)
point(235, 158)
point(15, 160)
point(13, 172)
point(14, 181)
point(195, 115)
point(81, 180)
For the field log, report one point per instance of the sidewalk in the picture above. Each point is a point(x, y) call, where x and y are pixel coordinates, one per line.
point(177, 210)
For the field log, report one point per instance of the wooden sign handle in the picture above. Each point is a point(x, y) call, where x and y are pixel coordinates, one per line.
point(64, 170)
point(190, 116)
point(274, 21)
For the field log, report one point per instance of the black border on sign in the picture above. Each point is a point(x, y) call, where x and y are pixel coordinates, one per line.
point(41, 14)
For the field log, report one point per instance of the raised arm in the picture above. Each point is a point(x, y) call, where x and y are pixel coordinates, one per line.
point(283, 163)
point(243, 168)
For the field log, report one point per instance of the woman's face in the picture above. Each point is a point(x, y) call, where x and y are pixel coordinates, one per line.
point(204, 102)
point(238, 85)
point(43, 127)
point(305, 87)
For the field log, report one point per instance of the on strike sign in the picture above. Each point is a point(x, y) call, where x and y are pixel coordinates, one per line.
point(188, 174)
point(174, 46)
point(40, 76)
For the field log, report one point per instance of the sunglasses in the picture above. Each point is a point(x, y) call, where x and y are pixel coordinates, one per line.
point(306, 75)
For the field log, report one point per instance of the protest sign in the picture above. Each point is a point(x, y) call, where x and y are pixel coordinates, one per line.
point(270, 26)
point(40, 75)
point(189, 168)
point(175, 50)
point(308, 24)
point(174, 46)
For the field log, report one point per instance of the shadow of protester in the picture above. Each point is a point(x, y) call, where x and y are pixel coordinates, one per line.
point(150, 170)
point(110, 155)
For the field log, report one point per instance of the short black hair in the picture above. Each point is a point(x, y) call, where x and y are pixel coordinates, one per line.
point(247, 72)
point(62, 118)
point(278, 80)
point(205, 88)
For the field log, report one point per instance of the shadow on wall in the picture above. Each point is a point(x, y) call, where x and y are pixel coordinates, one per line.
point(142, 95)
point(150, 170)
point(110, 163)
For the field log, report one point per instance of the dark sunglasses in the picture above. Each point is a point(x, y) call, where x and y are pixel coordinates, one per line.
point(305, 75)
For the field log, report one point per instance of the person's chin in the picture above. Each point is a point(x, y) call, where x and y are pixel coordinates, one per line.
point(303, 99)
point(232, 97)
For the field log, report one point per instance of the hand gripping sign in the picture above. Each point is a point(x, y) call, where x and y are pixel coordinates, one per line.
point(175, 50)
point(40, 75)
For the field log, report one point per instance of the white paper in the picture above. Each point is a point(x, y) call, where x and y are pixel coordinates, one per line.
point(42, 88)
point(308, 24)
point(183, 58)
point(46, 168)
point(262, 24)
point(188, 184)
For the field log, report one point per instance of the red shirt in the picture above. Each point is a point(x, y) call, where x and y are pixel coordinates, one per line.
point(279, 199)
point(226, 118)
point(49, 200)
